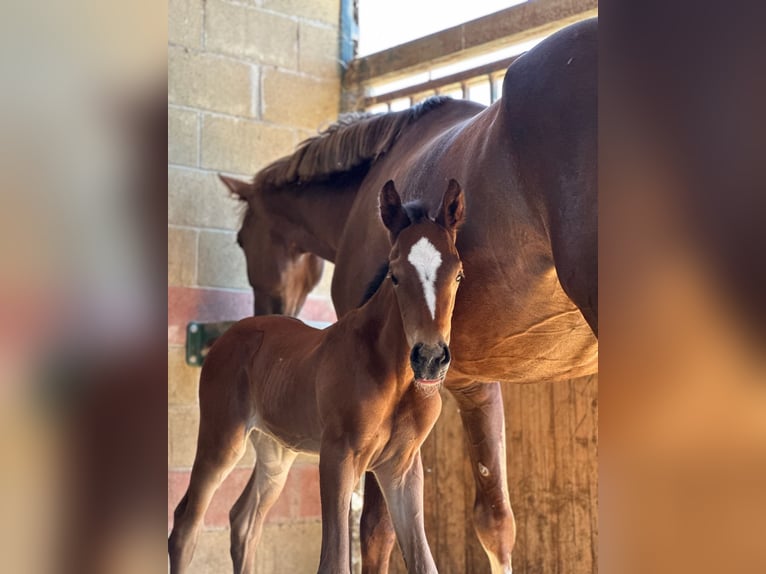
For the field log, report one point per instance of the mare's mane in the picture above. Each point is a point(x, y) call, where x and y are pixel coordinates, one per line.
point(354, 140)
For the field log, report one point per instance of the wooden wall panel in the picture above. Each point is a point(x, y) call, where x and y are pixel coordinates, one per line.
point(552, 433)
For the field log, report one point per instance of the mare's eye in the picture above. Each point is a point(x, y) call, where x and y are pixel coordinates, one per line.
point(394, 280)
point(459, 277)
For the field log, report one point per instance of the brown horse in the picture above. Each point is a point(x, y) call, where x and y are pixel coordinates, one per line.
point(529, 309)
point(363, 394)
point(282, 278)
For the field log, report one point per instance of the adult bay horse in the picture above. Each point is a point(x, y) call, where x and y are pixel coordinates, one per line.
point(362, 394)
point(528, 310)
point(282, 282)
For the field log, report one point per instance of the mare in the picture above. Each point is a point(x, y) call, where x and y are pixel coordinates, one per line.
point(528, 310)
point(282, 281)
point(363, 394)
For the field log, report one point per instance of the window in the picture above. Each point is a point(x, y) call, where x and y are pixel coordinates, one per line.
point(387, 23)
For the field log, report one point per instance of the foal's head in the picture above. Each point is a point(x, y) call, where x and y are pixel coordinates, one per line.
point(425, 269)
point(280, 274)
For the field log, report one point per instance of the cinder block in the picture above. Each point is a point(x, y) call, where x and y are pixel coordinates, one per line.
point(318, 51)
point(241, 146)
point(299, 101)
point(183, 380)
point(178, 483)
point(282, 548)
point(251, 34)
point(310, 504)
point(289, 547)
point(182, 256)
point(183, 424)
point(190, 303)
point(217, 515)
point(212, 553)
point(199, 199)
point(209, 82)
point(306, 134)
point(221, 261)
point(325, 10)
point(318, 309)
point(185, 22)
point(182, 137)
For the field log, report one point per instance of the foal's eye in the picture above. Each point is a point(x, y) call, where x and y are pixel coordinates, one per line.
point(459, 277)
point(394, 280)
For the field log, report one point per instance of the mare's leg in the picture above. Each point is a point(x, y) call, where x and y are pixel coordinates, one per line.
point(337, 477)
point(272, 464)
point(404, 494)
point(218, 450)
point(376, 532)
point(481, 409)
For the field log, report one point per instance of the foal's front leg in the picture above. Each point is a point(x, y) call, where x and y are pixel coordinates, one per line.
point(404, 495)
point(337, 477)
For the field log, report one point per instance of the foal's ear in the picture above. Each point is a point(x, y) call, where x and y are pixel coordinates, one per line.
point(241, 189)
point(452, 209)
point(391, 211)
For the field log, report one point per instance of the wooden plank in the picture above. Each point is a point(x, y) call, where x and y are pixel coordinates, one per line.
point(512, 25)
point(450, 486)
point(585, 432)
point(553, 477)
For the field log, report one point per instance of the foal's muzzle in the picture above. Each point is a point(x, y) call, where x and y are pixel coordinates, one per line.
point(430, 363)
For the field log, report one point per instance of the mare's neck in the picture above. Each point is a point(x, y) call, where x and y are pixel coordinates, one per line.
point(313, 215)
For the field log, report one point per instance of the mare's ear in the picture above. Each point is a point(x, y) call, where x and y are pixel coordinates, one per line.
point(391, 211)
point(241, 189)
point(452, 209)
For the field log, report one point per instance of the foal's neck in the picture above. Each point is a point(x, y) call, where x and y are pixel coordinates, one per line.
point(380, 321)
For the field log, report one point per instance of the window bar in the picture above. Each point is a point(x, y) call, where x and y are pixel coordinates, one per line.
point(492, 89)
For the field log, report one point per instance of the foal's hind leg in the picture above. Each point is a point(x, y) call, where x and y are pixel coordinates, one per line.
point(272, 464)
point(481, 409)
point(376, 531)
point(218, 450)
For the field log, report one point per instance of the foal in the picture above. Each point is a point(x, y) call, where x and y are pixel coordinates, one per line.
point(362, 393)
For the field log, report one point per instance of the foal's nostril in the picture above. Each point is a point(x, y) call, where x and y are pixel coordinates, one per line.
point(445, 358)
point(416, 354)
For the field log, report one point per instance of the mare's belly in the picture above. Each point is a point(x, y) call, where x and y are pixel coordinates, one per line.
point(522, 337)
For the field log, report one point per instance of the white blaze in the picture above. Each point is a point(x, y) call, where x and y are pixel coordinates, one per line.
point(426, 261)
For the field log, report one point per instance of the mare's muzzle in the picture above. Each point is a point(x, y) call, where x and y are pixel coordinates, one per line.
point(430, 362)
point(264, 304)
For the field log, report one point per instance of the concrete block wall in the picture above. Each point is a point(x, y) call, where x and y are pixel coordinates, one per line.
point(247, 81)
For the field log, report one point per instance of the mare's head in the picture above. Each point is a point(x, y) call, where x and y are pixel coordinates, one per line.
point(280, 274)
point(425, 270)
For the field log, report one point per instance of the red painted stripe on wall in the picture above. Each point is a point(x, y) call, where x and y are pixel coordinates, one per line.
point(299, 499)
point(318, 309)
point(187, 304)
point(195, 304)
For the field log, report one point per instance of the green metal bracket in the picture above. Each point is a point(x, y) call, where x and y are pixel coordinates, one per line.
point(200, 337)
